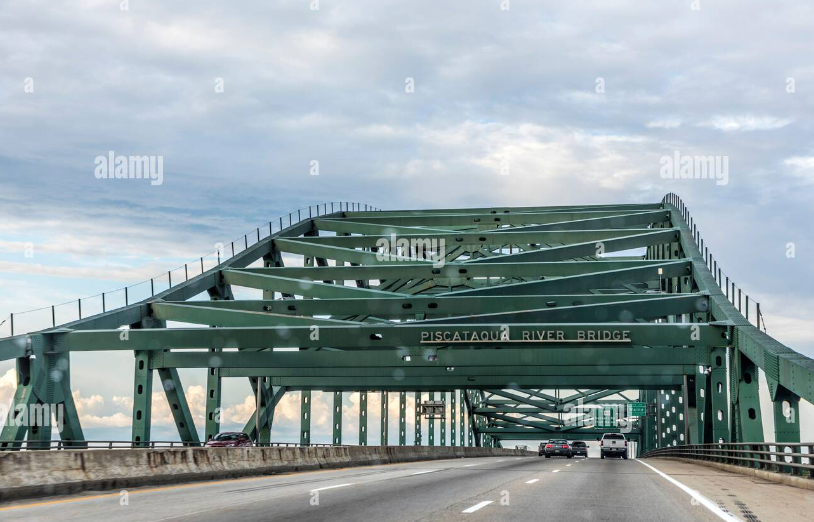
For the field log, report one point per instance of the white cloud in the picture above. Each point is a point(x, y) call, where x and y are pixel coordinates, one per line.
point(665, 123)
point(745, 123)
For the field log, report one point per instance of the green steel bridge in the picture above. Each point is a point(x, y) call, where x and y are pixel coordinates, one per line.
point(523, 320)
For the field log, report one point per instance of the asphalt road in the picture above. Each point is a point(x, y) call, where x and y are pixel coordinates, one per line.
point(488, 489)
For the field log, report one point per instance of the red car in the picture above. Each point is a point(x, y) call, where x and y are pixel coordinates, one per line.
point(229, 439)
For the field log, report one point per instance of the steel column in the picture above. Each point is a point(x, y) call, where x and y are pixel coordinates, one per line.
point(417, 405)
point(452, 420)
point(719, 396)
point(177, 400)
point(363, 418)
point(305, 418)
point(142, 398)
point(402, 418)
point(337, 418)
point(384, 418)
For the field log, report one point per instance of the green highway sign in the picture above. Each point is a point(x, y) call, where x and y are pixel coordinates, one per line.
point(636, 409)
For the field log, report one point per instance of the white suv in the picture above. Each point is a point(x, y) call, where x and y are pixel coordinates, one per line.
point(613, 445)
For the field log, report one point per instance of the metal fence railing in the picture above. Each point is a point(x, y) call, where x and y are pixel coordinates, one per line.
point(734, 293)
point(51, 316)
point(7, 445)
point(793, 458)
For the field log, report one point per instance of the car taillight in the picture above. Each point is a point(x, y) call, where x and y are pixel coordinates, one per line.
point(601, 442)
point(625, 443)
point(548, 445)
point(565, 447)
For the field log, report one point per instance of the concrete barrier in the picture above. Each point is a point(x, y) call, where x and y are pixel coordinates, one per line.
point(28, 474)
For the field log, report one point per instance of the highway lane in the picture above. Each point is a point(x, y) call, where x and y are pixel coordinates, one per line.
point(488, 489)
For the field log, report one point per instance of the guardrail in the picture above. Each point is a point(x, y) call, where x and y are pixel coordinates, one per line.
point(734, 294)
point(769, 456)
point(51, 316)
point(31, 445)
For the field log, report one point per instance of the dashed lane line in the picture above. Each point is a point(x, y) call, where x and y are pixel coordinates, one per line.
point(477, 506)
point(332, 487)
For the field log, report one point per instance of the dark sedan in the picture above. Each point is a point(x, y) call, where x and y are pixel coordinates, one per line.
point(229, 439)
point(559, 448)
point(579, 448)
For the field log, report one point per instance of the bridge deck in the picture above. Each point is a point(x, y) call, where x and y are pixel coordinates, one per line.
point(535, 489)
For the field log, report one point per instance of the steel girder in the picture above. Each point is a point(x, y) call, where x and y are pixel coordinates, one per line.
point(521, 315)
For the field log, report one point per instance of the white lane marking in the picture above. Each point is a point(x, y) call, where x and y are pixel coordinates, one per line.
point(532, 481)
point(501, 460)
point(555, 471)
point(567, 465)
point(704, 501)
point(469, 465)
point(427, 471)
point(331, 487)
point(477, 506)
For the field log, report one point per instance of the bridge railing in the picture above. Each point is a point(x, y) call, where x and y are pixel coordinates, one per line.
point(32, 445)
point(793, 458)
point(51, 316)
point(733, 292)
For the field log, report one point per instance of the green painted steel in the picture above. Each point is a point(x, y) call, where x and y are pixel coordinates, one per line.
point(461, 421)
point(431, 424)
point(517, 312)
point(213, 399)
point(142, 398)
point(746, 402)
point(384, 418)
point(337, 418)
point(363, 418)
point(443, 427)
point(719, 404)
point(305, 417)
point(786, 407)
point(417, 419)
point(402, 418)
point(453, 421)
point(176, 398)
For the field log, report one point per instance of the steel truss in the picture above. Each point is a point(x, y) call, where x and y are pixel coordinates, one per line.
point(523, 319)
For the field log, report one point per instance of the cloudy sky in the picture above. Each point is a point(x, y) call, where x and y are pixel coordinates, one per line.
point(402, 104)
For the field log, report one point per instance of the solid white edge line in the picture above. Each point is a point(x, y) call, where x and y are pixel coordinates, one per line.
point(707, 503)
point(532, 481)
point(477, 506)
point(331, 487)
point(555, 471)
point(423, 472)
point(468, 465)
